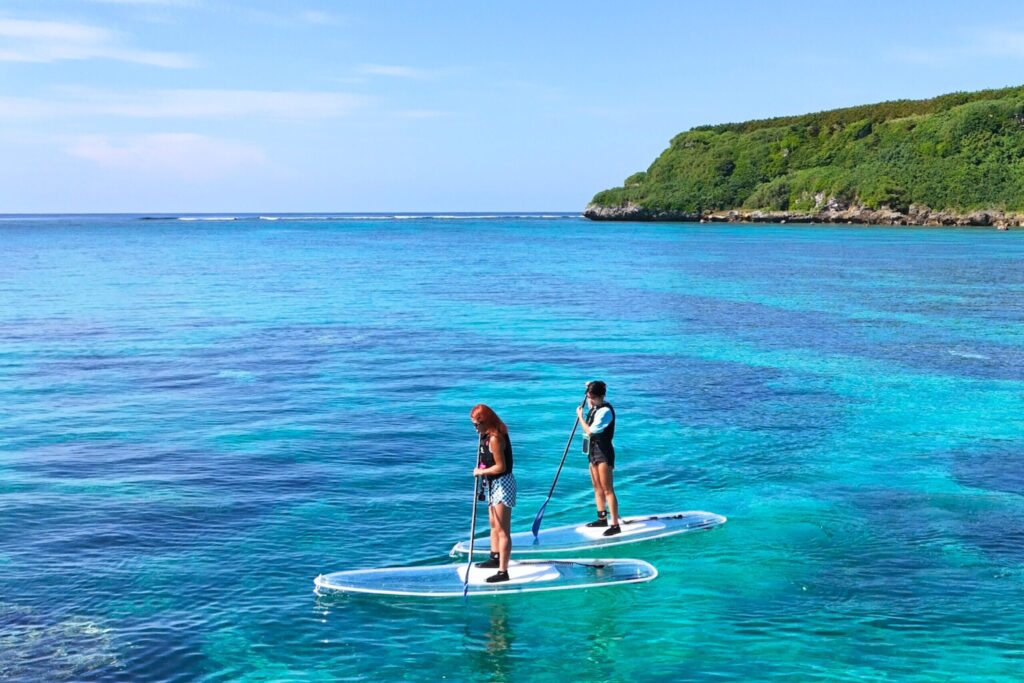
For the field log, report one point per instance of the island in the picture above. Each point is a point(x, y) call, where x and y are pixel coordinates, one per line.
point(956, 159)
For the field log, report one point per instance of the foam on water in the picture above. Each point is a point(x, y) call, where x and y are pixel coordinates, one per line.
point(208, 218)
point(968, 354)
point(243, 375)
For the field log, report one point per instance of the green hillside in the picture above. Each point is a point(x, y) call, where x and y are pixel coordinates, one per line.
point(956, 152)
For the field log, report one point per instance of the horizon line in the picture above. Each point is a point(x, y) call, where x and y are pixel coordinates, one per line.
point(281, 213)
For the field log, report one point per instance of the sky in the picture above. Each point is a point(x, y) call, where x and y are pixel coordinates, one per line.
point(146, 106)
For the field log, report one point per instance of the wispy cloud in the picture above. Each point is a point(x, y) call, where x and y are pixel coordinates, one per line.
point(395, 71)
point(185, 104)
point(606, 112)
point(421, 114)
point(319, 18)
point(23, 40)
point(977, 43)
point(1002, 43)
point(289, 18)
point(178, 155)
point(149, 3)
point(920, 55)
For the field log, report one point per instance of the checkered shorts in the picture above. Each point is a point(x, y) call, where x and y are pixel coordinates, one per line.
point(502, 490)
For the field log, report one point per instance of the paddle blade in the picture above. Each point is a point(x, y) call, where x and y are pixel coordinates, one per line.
point(538, 518)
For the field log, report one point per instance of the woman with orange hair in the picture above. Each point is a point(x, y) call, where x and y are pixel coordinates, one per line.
point(495, 466)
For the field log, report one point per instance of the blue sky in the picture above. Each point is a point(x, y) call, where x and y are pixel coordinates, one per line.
point(318, 105)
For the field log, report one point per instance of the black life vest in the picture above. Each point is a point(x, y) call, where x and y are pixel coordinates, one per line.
point(487, 458)
point(601, 442)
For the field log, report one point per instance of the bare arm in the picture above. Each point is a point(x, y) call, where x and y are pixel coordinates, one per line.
point(583, 422)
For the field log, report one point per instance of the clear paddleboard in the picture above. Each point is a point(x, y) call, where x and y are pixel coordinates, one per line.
point(525, 576)
point(577, 537)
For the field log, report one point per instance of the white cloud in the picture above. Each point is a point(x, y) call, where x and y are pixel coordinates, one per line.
point(172, 3)
point(972, 44)
point(185, 104)
point(394, 71)
point(289, 18)
point(23, 40)
point(920, 55)
point(176, 155)
point(421, 114)
point(319, 18)
point(52, 30)
point(1001, 42)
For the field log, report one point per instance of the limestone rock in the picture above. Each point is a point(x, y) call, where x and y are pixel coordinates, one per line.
point(828, 210)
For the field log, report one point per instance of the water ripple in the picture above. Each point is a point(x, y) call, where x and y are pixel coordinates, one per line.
point(200, 416)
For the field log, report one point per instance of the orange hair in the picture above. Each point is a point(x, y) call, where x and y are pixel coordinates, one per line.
point(488, 419)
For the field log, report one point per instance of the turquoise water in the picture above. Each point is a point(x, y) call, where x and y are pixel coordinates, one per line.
point(199, 417)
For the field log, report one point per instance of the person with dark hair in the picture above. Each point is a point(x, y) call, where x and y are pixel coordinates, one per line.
point(495, 466)
point(598, 431)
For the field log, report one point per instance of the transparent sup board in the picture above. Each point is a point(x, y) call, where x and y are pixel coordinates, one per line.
point(525, 576)
point(577, 537)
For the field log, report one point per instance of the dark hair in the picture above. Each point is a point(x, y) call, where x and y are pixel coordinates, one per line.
point(597, 388)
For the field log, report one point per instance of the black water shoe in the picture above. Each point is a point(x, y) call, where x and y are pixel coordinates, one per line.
point(490, 563)
point(499, 577)
point(612, 530)
point(602, 520)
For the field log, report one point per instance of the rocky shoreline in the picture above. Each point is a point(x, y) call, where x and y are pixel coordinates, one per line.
point(859, 215)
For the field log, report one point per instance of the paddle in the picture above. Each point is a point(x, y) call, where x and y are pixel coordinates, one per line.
point(472, 536)
point(540, 513)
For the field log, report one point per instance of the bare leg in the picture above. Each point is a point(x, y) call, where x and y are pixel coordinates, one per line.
point(606, 483)
point(503, 515)
point(494, 528)
point(598, 489)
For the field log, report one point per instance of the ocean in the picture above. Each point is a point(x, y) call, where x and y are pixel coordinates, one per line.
point(200, 416)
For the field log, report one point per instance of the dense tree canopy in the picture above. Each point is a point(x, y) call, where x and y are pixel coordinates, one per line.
point(955, 152)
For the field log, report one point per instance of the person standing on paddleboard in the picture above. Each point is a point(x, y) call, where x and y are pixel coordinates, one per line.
point(598, 431)
point(495, 466)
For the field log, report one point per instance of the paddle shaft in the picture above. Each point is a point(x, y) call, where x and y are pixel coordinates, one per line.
point(472, 535)
point(551, 492)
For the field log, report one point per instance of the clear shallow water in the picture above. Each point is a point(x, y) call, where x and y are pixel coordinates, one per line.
point(200, 416)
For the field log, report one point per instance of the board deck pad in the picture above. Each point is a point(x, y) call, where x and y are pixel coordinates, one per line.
point(524, 576)
point(518, 572)
point(577, 537)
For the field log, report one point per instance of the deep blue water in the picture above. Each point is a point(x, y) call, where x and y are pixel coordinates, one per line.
point(201, 416)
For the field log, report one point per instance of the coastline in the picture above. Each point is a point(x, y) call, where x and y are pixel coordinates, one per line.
point(861, 215)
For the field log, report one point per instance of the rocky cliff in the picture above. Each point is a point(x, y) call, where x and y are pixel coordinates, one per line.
point(858, 215)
